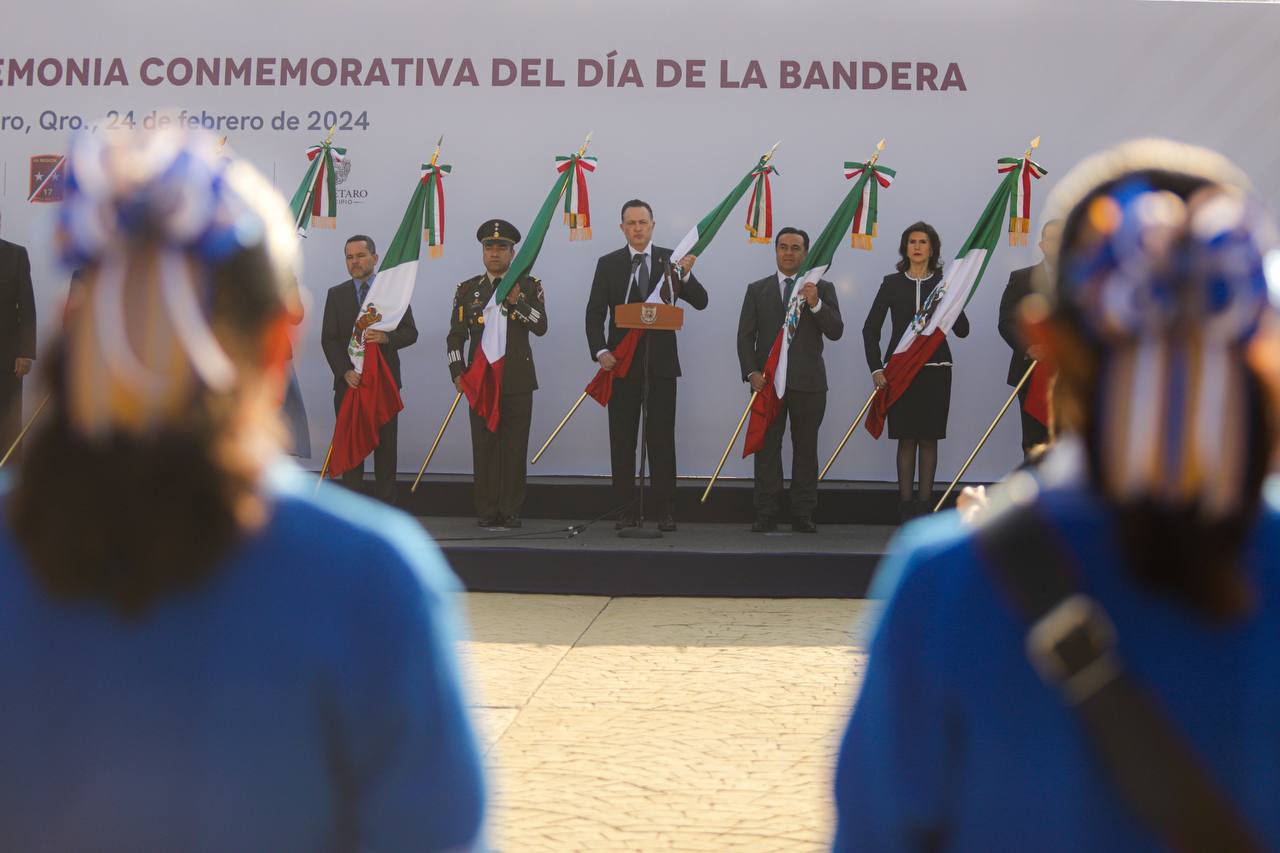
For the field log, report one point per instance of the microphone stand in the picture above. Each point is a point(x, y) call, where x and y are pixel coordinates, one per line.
point(640, 531)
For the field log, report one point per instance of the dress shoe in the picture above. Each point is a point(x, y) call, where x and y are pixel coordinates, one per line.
point(489, 522)
point(804, 525)
point(512, 521)
point(625, 521)
point(668, 524)
point(764, 524)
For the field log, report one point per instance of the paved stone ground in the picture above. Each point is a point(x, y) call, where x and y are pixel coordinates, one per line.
point(695, 724)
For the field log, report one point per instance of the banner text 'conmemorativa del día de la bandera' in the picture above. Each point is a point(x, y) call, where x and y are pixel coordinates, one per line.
point(612, 70)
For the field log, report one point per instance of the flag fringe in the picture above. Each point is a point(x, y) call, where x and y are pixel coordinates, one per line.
point(327, 222)
point(1019, 228)
point(435, 251)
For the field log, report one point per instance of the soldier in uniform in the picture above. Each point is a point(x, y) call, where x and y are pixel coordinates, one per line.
point(499, 457)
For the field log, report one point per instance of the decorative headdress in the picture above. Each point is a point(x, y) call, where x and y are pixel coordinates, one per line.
point(154, 212)
point(1171, 290)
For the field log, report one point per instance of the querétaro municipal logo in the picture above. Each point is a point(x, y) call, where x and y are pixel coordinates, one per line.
point(346, 194)
point(341, 169)
point(47, 178)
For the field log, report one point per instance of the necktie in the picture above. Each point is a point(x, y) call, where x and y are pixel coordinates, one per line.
point(642, 278)
point(791, 286)
point(362, 291)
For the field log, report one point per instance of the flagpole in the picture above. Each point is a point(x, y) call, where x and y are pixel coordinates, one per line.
point(26, 426)
point(556, 431)
point(986, 435)
point(436, 443)
point(325, 467)
point(856, 420)
point(732, 441)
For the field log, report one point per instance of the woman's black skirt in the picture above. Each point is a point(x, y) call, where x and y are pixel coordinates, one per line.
point(921, 412)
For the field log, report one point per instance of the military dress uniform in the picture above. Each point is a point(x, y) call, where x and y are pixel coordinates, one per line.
point(499, 458)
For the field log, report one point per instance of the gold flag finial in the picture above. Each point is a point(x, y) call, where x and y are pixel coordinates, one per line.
point(769, 154)
point(1035, 143)
point(328, 139)
point(435, 155)
point(876, 156)
point(585, 143)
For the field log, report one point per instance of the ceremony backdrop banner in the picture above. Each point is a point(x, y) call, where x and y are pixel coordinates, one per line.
point(679, 95)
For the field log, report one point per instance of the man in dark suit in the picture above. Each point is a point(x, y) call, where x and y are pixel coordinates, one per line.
point(1021, 283)
point(499, 458)
point(17, 336)
point(341, 306)
point(631, 274)
point(763, 311)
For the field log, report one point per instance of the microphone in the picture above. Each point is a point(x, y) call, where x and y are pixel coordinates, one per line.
point(634, 281)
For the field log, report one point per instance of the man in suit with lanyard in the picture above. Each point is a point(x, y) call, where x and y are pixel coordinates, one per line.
point(763, 310)
point(632, 274)
point(341, 306)
point(17, 336)
point(1021, 283)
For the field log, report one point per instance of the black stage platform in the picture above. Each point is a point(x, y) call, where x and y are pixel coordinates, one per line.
point(714, 553)
point(699, 559)
point(839, 502)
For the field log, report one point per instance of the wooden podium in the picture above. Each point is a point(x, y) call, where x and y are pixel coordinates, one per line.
point(651, 316)
point(657, 316)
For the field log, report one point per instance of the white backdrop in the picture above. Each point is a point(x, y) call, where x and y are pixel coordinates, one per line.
point(1082, 75)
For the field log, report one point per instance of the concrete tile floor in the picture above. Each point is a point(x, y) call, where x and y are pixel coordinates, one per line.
point(662, 723)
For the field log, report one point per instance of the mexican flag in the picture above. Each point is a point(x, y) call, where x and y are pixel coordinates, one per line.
point(930, 326)
point(366, 408)
point(482, 380)
point(694, 243)
point(315, 202)
point(816, 262)
point(1038, 389)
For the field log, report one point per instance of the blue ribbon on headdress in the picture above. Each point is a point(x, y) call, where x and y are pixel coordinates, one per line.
point(1172, 290)
point(169, 189)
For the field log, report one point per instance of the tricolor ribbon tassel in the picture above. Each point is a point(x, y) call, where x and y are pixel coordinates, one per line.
point(316, 201)
point(1020, 199)
point(865, 226)
point(577, 207)
point(433, 210)
point(760, 210)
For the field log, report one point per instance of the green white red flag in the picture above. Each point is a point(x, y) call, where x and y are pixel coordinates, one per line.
point(935, 318)
point(764, 409)
point(315, 203)
point(694, 243)
point(367, 407)
point(1026, 170)
point(867, 214)
point(577, 206)
point(433, 212)
point(482, 380)
point(760, 207)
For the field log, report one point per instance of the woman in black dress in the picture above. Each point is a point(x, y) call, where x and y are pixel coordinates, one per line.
point(919, 417)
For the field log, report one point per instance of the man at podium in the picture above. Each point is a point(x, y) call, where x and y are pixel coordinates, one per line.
point(638, 272)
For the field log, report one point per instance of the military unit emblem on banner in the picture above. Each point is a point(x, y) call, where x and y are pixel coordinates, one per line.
point(47, 178)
